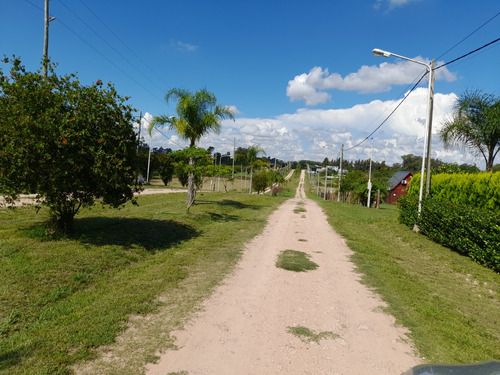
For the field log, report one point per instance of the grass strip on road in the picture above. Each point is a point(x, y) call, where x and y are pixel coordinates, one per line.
point(449, 303)
point(62, 298)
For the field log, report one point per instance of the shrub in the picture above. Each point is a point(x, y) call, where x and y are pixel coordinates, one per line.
point(260, 181)
point(479, 190)
point(471, 231)
point(166, 168)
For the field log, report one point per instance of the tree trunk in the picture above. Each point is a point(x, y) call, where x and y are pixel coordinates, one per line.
point(62, 223)
point(251, 180)
point(191, 192)
point(489, 162)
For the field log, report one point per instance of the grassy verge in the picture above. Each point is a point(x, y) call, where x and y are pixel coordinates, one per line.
point(61, 298)
point(449, 303)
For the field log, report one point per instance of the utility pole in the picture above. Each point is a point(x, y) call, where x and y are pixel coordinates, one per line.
point(429, 128)
point(340, 170)
point(317, 192)
point(370, 179)
point(234, 157)
point(369, 183)
point(137, 150)
point(326, 175)
point(46, 39)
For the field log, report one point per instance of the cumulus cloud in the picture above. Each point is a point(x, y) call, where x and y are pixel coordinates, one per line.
point(314, 134)
point(310, 87)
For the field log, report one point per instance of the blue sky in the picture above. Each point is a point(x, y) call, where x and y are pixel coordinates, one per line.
point(299, 75)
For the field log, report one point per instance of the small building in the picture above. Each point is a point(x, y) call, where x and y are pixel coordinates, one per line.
point(398, 185)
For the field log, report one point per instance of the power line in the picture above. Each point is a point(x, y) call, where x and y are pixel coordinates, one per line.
point(36, 6)
point(467, 54)
point(401, 94)
point(390, 114)
point(100, 53)
point(108, 60)
point(110, 45)
point(126, 46)
point(476, 30)
point(159, 131)
point(414, 86)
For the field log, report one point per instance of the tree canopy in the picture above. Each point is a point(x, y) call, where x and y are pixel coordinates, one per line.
point(67, 143)
point(197, 114)
point(475, 125)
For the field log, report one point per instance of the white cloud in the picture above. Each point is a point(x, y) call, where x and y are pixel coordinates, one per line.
point(181, 46)
point(391, 4)
point(234, 110)
point(310, 87)
point(314, 134)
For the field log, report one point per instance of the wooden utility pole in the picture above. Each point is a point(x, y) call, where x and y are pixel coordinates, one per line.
point(137, 150)
point(46, 39)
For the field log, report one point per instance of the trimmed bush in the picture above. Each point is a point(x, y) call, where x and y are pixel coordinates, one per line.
point(470, 231)
point(480, 190)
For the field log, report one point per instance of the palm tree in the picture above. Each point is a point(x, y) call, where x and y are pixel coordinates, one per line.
point(197, 114)
point(475, 124)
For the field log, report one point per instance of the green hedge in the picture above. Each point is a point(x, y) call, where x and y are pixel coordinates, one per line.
point(471, 231)
point(480, 190)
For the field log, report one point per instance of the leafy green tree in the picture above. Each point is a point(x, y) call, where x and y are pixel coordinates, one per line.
point(354, 185)
point(261, 181)
point(475, 125)
point(413, 163)
point(197, 114)
point(67, 143)
point(251, 158)
point(183, 168)
point(166, 167)
point(275, 180)
point(226, 172)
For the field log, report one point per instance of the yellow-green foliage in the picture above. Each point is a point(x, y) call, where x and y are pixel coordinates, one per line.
point(481, 190)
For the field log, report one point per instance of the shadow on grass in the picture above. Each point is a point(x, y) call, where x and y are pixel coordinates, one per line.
point(222, 217)
point(152, 235)
point(11, 358)
point(230, 203)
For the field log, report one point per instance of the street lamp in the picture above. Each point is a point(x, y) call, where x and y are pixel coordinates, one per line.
point(427, 140)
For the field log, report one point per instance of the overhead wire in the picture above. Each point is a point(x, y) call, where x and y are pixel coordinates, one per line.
point(110, 45)
point(472, 33)
point(99, 53)
point(390, 114)
point(414, 86)
point(159, 131)
point(467, 54)
point(126, 46)
point(36, 6)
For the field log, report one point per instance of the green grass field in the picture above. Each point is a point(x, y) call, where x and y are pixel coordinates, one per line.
point(450, 304)
point(61, 298)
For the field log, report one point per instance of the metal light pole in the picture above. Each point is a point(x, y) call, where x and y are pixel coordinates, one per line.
point(326, 176)
point(340, 170)
point(369, 181)
point(427, 138)
point(149, 156)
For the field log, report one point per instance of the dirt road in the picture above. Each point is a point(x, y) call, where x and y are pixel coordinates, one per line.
point(244, 327)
